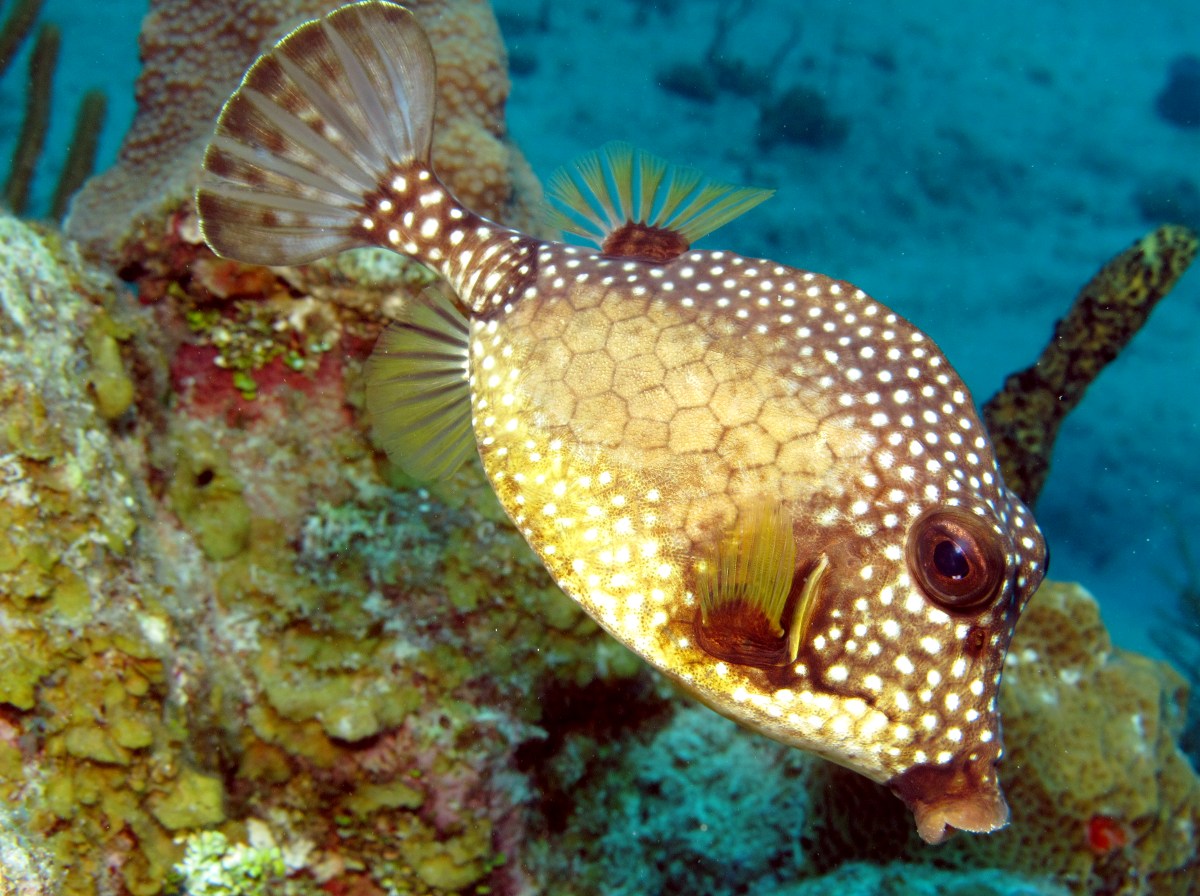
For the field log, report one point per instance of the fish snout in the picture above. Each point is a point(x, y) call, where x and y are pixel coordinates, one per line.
point(963, 794)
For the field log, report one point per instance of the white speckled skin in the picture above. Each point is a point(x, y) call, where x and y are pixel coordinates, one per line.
point(631, 414)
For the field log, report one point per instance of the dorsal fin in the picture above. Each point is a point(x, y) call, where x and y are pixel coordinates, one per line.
point(418, 395)
point(632, 203)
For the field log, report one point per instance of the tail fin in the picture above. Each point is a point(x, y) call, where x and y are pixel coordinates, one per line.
point(317, 123)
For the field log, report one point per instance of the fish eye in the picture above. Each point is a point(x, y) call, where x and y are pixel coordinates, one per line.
point(956, 559)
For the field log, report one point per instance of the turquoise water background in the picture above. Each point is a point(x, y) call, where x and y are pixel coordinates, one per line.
point(994, 159)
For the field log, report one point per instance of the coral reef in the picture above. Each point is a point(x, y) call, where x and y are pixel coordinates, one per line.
point(798, 114)
point(801, 115)
point(720, 70)
point(1102, 798)
point(1103, 801)
point(1024, 417)
point(92, 759)
point(229, 622)
point(194, 53)
point(240, 654)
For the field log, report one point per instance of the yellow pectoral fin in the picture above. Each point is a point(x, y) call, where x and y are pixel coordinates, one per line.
point(743, 589)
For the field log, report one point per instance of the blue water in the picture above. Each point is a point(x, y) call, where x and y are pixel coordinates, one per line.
point(992, 163)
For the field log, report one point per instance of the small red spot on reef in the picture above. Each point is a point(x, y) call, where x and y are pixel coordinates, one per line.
point(1106, 835)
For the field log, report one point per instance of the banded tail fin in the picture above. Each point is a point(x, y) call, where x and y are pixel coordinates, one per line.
point(317, 123)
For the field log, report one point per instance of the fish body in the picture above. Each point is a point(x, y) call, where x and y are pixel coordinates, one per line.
point(769, 485)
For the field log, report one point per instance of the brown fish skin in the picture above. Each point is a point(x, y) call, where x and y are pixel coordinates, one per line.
point(637, 417)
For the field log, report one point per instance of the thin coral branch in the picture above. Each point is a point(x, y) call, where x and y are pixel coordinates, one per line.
point(81, 156)
point(16, 28)
point(37, 119)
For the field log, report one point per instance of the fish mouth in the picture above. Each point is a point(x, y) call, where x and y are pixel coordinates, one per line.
point(962, 795)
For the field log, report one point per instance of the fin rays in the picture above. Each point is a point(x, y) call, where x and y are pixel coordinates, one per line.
point(418, 393)
point(249, 158)
point(618, 184)
point(318, 121)
point(743, 589)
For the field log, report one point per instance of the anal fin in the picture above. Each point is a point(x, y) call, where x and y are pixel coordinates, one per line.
point(418, 393)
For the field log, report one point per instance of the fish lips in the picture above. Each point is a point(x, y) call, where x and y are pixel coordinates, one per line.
point(963, 794)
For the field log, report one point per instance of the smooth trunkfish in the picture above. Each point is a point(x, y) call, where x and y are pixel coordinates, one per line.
point(770, 486)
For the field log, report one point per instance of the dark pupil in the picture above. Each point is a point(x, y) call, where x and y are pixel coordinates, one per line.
point(950, 560)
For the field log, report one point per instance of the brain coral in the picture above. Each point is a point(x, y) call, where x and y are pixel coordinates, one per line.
point(1102, 797)
point(195, 52)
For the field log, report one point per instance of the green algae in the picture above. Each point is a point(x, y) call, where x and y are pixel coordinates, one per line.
point(453, 863)
point(369, 798)
point(84, 688)
point(24, 661)
point(109, 380)
point(366, 650)
point(70, 597)
point(212, 866)
point(194, 800)
point(207, 496)
point(308, 676)
point(249, 334)
point(95, 743)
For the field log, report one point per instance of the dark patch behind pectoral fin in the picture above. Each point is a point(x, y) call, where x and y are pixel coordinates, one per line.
point(743, 588)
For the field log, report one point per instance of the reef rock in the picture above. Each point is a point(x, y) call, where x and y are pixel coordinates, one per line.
point(1102, 798)
point(218, 612)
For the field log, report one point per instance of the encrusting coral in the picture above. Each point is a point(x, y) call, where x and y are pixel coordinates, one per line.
point(1103, 801)
point(92, 759)
point(164, 673)
point(1102, 797)
point(195, 52)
